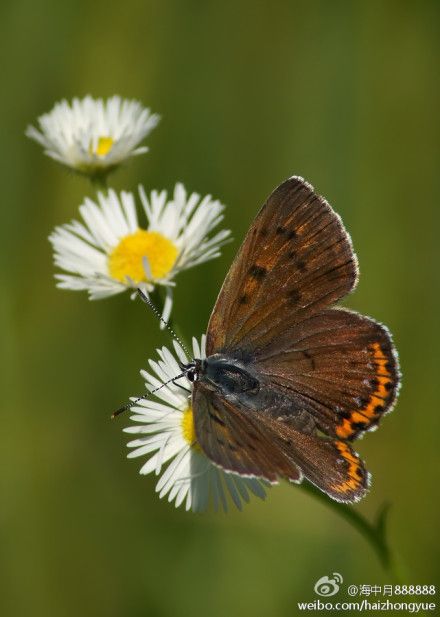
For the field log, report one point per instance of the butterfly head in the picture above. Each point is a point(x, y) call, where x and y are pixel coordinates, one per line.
point(193, 369)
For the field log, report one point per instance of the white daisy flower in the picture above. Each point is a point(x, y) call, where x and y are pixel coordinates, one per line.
point(166, 434)
point(110, 252)
point(94, 136)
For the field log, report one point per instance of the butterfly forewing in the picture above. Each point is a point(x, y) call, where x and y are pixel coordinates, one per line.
point(260, 446)
point(236, 441)
point(295, 260)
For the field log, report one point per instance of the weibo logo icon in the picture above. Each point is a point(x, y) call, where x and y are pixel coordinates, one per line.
point(327, 586)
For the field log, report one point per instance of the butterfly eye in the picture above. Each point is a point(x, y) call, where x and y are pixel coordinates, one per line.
point(192, 375)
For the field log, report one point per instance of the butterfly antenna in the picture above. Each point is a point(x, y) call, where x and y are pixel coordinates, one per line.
point(145, 396)
point(148, 302)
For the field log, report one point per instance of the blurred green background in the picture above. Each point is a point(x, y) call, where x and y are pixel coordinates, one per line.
point(343, 93)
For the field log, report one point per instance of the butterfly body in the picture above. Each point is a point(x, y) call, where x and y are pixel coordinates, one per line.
point(289, 379)
point(229, 376)
point(242, 385)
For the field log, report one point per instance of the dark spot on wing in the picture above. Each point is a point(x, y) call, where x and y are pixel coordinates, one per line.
point(309, 356)
point(360, 472)
point(359, 426)
point(257, 272)
point(289, 233)
point(294, 296)
point(243, 299)
point(299, 263)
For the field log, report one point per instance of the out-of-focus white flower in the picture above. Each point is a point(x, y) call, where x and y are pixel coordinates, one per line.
point(93, 136)
point(110, 252)
point(165, 433)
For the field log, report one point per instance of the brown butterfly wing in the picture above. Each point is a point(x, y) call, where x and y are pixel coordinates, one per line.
point(235, 441)
point(266, 448)
point(331, 465)
point(339, 366)
point(296, 259)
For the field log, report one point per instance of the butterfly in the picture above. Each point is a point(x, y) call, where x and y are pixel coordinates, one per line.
point(289, 379)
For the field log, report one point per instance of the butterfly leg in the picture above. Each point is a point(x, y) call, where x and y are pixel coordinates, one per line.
point(187, 390)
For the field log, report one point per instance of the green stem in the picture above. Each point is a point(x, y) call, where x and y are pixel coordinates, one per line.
point(99, 182)
point(373, 533)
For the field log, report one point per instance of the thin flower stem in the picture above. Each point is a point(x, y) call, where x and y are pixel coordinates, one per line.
point(99, 182)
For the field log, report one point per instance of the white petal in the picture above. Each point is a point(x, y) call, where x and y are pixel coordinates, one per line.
point(190, 478)
point(168, 305)
point(70, 132)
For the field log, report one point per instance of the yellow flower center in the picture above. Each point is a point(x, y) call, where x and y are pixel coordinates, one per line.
point(103, 146)
point(188, 429)
point(126, 259)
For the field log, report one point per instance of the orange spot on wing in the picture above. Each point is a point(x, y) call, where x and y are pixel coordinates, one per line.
point(381, 389)
point(357, 417)
point(345, 429)
point(381, 360)
point(355, 471)
point(377, 401)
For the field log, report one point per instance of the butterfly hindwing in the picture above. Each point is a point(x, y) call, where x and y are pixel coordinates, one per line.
point(270, 449)
point(331, 465)
point(296, 259)
point(338, 365)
